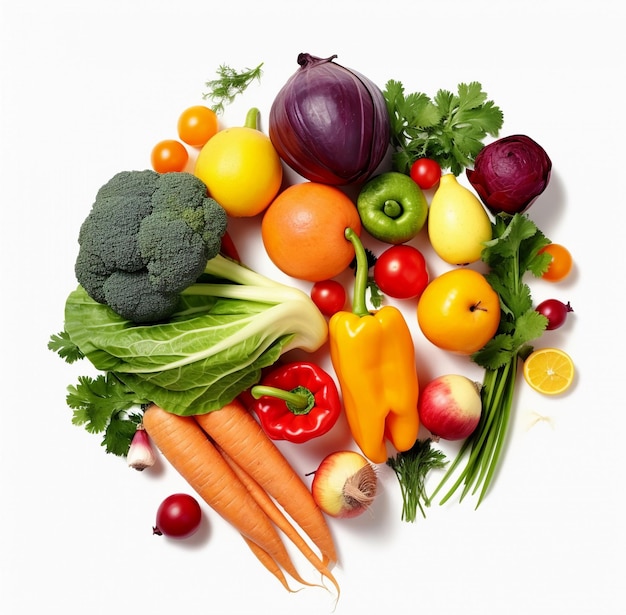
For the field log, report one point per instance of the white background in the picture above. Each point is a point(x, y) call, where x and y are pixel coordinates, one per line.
point(88, 88)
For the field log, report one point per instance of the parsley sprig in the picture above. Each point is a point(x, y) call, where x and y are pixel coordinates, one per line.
point(450, 128)
point(229, 84)
point(513, 251)
point(104, 404)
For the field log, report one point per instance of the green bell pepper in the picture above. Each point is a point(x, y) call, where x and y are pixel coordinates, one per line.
point(392, 207)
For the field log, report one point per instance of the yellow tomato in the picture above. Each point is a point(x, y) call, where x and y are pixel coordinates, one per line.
point(459, 311)
point(241, 169)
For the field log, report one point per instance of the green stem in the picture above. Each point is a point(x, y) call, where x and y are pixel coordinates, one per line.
point(504, 413)
point(485, 445)
point(299, 400)
point(252, 118)
point(359, 303)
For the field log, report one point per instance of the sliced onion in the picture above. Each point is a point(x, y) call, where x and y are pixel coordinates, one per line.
point(330, 124)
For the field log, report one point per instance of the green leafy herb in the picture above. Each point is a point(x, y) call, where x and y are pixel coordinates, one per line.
point(64, 347)
point(105, 404)
point(513, 251)
point(411, 468)
point(229, 84)
point(450, 128)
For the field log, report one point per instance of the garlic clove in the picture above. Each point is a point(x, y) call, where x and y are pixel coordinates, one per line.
point(140, 454)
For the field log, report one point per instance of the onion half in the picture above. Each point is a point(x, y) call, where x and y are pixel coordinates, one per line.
point(330, 124)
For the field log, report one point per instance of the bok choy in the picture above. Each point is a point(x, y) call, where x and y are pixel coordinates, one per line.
point(228, 326)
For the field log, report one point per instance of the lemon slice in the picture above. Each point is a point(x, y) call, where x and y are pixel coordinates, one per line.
point(549, 371)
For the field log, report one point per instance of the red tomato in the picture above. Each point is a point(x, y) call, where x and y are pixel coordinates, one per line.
point(425, 173)
point(196, 125)
point(169, 156)
point(401, 272)
point(561, 264)
point(178, 516)
point(329, 296)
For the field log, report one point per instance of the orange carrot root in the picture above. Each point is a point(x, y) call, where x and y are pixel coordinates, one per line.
point(241, 437)
point(268, 561)
point(190, 452)
point(280, 520)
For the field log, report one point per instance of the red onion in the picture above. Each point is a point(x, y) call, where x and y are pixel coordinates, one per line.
point(329, 124)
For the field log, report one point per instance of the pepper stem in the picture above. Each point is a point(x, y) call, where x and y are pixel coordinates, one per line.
point(359, 303)
point(299, 400)
point(251, 118)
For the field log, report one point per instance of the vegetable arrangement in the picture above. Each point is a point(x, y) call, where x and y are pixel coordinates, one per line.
point(193, 347)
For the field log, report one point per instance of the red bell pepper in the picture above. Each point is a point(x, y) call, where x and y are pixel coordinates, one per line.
point(296, 402)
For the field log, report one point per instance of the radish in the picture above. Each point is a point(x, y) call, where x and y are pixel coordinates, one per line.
point(450, 407)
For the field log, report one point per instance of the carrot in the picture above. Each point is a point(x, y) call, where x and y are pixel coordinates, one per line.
point(241, 437)
point(279, 519)
point(268, 561)
point(187, 448)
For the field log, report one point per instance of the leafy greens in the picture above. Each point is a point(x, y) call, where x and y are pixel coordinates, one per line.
point(228, 327)
point(513, 251)
point(450, 128)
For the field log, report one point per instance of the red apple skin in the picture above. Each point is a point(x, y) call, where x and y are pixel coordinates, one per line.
point(450, 407)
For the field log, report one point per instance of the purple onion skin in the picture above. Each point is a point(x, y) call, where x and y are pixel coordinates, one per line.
point(329, 124)
point(510, 173)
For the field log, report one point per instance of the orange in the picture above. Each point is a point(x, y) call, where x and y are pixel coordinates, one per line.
point(303, 231)
point(549, 371)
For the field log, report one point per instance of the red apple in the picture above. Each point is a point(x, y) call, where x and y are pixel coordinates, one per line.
point(450, 407)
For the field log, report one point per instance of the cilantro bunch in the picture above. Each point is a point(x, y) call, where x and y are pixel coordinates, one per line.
point(513, 251)
point(449, 129)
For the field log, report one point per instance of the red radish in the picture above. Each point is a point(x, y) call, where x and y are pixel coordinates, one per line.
point(450, 407)
point(555, 311)
point(178, 516)
point(345, 484)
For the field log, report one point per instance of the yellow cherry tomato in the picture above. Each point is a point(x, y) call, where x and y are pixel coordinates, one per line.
point(241, 169)
point(459, 311)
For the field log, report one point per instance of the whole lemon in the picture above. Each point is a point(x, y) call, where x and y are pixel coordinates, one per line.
point(241, 169)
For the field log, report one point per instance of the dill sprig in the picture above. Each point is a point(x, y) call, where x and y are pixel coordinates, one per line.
point(229, 84)
point(411, 468)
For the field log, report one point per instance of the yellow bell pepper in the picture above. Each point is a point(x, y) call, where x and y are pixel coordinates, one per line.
point(373, 356)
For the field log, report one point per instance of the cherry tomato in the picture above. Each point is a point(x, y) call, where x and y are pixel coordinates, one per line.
point(229, 248)
point(561, 264)
point(178, 516)
point(196, 125)
point(329, 296)
point(169, 156)
point(425, 173)
point(401, 272)
point(555, 311)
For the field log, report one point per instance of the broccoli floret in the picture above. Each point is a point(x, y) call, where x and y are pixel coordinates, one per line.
point(147, 237)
